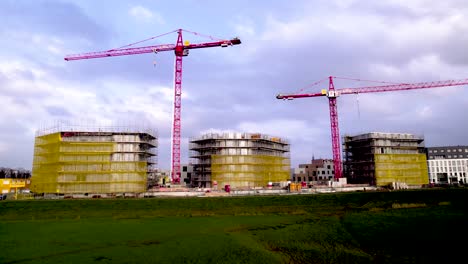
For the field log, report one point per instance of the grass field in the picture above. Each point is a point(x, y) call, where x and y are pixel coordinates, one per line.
point(421, 226)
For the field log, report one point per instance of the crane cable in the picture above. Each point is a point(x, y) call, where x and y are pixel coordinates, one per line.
point(141, 41)
point(362, 80)
point(203, 35)
point(357, 94)
point(310, 85)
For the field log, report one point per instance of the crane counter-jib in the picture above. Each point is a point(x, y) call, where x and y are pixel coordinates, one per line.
point(293, 96)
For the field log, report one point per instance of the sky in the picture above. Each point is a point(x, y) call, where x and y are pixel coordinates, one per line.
point(286, 45)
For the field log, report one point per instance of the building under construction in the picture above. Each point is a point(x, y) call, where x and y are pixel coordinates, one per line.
point(240, 160)
point(101, 161)
point(385, 158)
point(318, 170)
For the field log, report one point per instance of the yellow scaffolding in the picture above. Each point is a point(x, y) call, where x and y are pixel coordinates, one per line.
point(242, 171)
point(408, 168)
point(83, 167)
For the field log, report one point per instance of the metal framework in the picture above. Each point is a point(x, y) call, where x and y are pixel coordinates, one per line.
point(180, 49)
point(241, 160)
point(92, 162)
point(333, 93)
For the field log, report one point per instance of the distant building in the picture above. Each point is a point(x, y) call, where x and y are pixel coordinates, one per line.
point(241, 160)
point(186, 174)
point(448, 164)
point(385, 158)
point(158, 177)
point(316, 171)
point(100, 161)
point(9, 185)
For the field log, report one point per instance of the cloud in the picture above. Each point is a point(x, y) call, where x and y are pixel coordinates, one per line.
point(3, 147)
point(57, 111)
point(144, 14)
point(51, 17)
point(284, 48)
point(282, 127)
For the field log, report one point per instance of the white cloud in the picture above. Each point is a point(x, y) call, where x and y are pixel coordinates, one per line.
point(3, 147)
point(282, 127)
point(144, 14)
point(140, 12)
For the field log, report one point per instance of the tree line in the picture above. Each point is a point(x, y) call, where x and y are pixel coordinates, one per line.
point(14, 173)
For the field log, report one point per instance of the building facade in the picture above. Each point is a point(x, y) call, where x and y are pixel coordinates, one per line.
point(241, 160)
point(319, 170)
point(382, 159)
point(448, 164)
point(186, 174)
point(80, 162)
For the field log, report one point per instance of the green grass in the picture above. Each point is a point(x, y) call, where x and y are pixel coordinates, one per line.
point(374, 227)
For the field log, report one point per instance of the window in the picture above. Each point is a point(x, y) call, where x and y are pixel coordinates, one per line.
point(314, 173)
point(449, 156)
point(184, 168)
point(466, 150)
point(430, 151)
point(310, 178)
point(459, 150)
point(435, 151)
point(448, 150)
point(298, 178)
point(455, 156)
point(382, 150)
point(328, 167)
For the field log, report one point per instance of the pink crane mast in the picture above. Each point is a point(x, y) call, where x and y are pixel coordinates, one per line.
point(333, 93)
point(180, 49)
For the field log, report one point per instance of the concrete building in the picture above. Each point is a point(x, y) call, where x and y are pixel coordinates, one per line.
point(448, 164)
point(106, 160)
point(319, 170)
point(241, 160)
point(186, 174)
point(382, 159)
point(8, 185)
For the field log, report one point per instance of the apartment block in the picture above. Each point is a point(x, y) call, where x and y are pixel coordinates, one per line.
point(382, 159)
point(448, 164)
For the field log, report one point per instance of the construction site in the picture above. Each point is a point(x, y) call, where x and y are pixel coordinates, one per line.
point(233, 132)
point(104, 160)
point(382, 159)
point(110, 161)
point(239, 160)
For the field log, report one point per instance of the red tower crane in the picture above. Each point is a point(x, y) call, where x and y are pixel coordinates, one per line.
point(333, 93)
point(180, 49)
